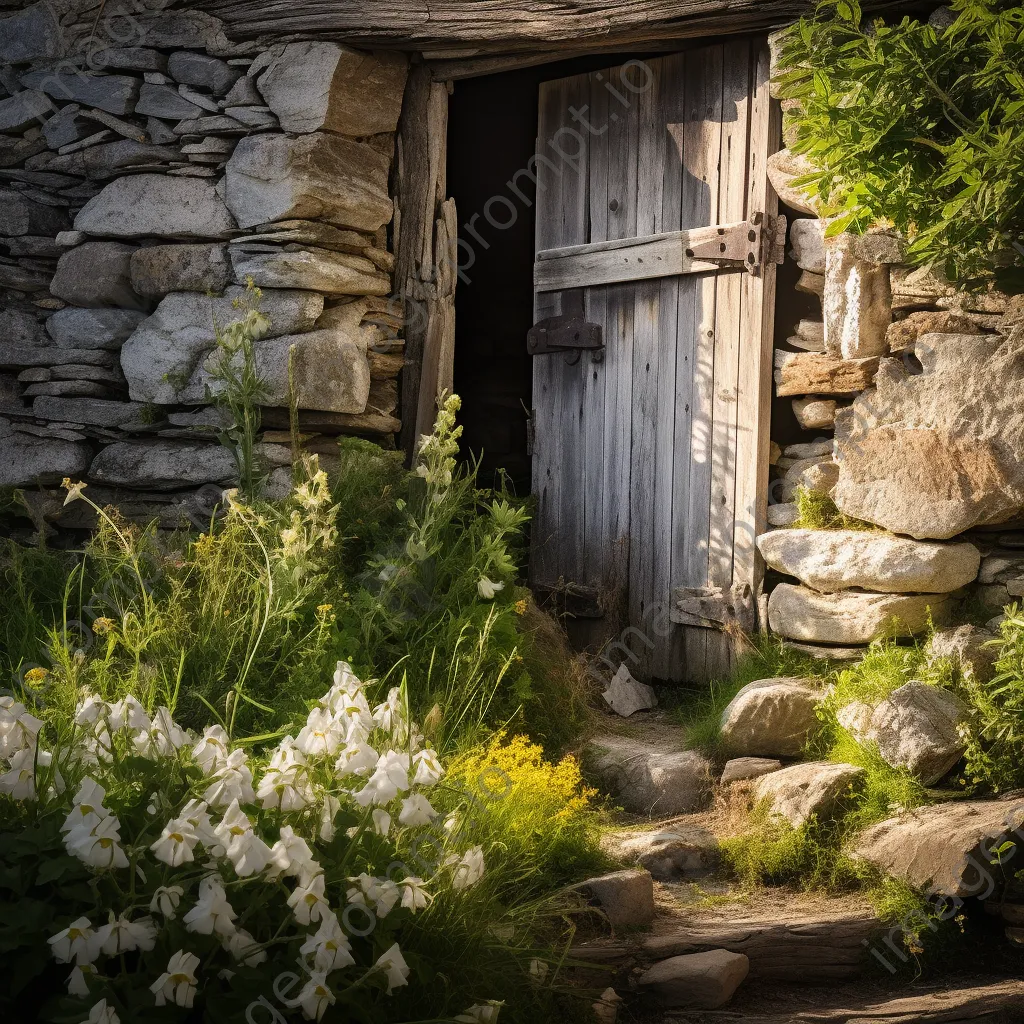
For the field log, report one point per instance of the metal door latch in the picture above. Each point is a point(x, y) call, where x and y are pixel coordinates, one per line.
point(569, 333)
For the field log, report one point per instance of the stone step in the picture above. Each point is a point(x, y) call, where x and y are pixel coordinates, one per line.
point(812, 948)
point(996, 1002)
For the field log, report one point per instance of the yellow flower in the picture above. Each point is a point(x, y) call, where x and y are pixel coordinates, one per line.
point(36, 675)
point(521, 606)
point(104, 625)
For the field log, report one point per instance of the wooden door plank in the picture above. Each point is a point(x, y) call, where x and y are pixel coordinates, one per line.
point(647, 330)
point(544, 537)
point(572, 452)
point(596, 546)
point(622, 136)
point(728, 332)
point(702, 145)
point(671, 111)
point(756, 351)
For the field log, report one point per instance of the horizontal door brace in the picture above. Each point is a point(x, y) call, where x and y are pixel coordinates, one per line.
point(696, 251)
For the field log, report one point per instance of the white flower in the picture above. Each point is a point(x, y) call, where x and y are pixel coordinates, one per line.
point(163, 738)
point(469, 868)
point(416, 810)
point(91, 710)
point(381, 821)
point(176, 843)
point(178, 983)
point(321, 734)
point(331, 807)
point(20, 781)
point(242, 946)
point(211, 751)
point(102, 1014)
point(286, 788)
point(307, 901)
point(99, 846)
point(87, 808)
point(286, 754)
point(329, 945)
point(486, 1013)
point(381, 892)
point(316, 996)
point(391, 713)
point(77, 985)
point(414, 895)
point(246, 850)
point(356, 759)
point(79, 941)
point(232, 781)
point(394, 964)
point(125, 935)
point(195, 814)
point(212, 912)
point(345, 679)
point(488, 588)
point(291, 855)
point(166, 899)
point(428, 768)
point(389, 778)
point(18, 729)
point(129, 714)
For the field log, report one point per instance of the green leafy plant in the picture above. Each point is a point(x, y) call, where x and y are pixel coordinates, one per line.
point(915, 127)
point(240, 389)
point(817, 511)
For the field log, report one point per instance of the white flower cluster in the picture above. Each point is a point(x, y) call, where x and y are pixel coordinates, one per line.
point(373, 761)
point(19, 747)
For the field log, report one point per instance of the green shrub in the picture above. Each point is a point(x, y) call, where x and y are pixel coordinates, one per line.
point(915, 128)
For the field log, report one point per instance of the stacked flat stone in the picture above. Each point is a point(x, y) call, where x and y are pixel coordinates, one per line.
point(138, 196)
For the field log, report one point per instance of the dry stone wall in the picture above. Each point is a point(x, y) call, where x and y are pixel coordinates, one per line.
point(141, 187)
point(909, 391)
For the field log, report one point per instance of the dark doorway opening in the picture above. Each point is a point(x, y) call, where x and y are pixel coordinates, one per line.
point(492, 130)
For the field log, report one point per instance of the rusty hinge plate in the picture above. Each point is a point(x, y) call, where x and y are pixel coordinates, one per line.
point(568, 333)
point(732, 245)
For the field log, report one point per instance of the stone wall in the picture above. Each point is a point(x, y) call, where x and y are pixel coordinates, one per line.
point(141, 186)
point(909, 391)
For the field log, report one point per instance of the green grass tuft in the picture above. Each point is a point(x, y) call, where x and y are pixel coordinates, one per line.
point(817, 511)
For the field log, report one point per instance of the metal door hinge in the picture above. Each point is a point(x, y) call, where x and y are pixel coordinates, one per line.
point(568, 333)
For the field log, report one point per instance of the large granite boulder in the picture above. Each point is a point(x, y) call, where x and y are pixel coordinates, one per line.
point(917, 728)
point(851, 617)
point(313, 177)
point(317, 86)
point(157, 205)
point(32, 460)
point(831, 560)
point(703, 981)
point(333, 273)
point(969, 648)
point(328, 370)
point(93, 328)
point(934, 453)
point(669, 854)
point(650, 777)
point(160, 269)
point(771, 718)
point(626, 897)
point(163, 465)
point(857, 303)
point(946, 848)
point(802, 791)
point(97, 274)
point(164, 352)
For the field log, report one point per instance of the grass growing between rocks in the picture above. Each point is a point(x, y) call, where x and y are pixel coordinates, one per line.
point(817, 511)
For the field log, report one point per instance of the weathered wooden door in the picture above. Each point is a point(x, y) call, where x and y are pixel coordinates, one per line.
point(650, 464)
